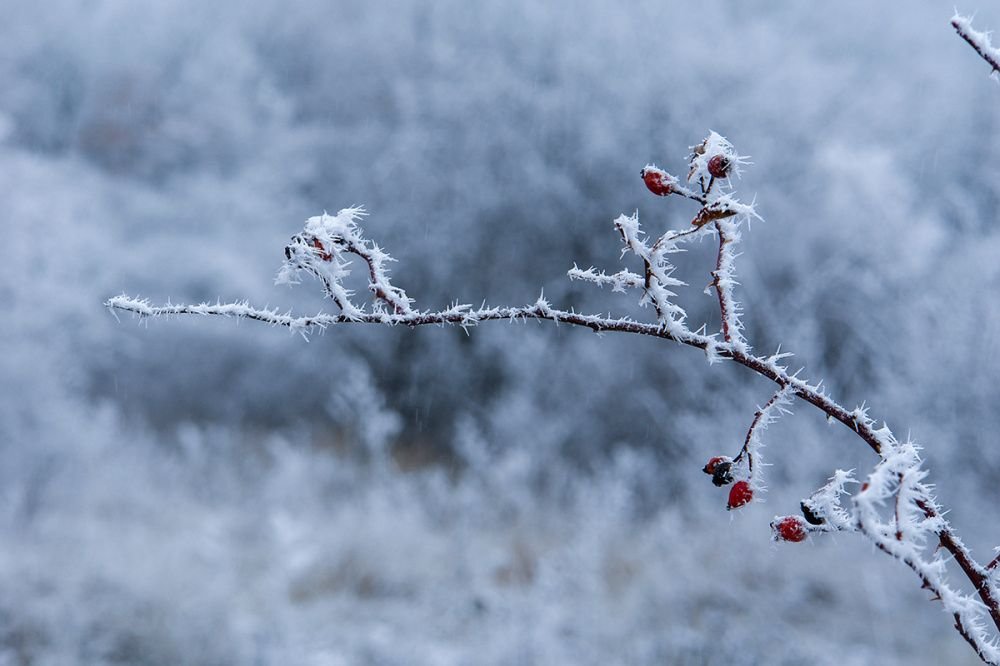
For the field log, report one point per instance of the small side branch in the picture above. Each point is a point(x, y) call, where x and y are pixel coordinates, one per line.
point(993, 563)
point(772, 410)
point(724, 281)
point(320, 250)
point(620, 281)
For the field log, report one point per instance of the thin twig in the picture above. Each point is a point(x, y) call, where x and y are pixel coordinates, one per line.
point(761, 418)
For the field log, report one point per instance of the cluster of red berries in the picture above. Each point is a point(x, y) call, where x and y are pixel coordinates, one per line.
point(720, 468)
point(786, 528)
point(661, 183)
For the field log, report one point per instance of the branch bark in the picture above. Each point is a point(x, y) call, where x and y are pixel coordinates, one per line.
point(979, 41)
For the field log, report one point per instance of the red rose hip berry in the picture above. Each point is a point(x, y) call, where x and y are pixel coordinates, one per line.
point(719, 166)
point(657, 181)
point(790, 528)
point(739, 495)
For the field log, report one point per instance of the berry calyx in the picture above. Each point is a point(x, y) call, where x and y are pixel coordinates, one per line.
point(712, 463)
point(657, 181)
point(723, 474)
point(719, 166)
point(739, 495)
point(789, 528)
point(721, 469)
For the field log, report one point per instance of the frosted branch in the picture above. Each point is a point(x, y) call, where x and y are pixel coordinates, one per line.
point(657, 278)
point(979, 41)
point(894, 508)
point(724, 281)
point(321, 250)
point(620, 281)
point(823, 509)
point(772, 410)
point(916, 526)
point(458, 315)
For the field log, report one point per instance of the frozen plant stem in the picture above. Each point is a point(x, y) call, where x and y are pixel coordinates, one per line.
point(980, 41)
point(893, 507)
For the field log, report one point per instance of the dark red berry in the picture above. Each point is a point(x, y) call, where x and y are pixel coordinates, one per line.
point(718, 166)
point(658, 182)
point(740, 494)
point(790, 528)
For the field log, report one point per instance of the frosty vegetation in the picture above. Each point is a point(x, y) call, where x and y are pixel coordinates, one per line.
point(892, 506)
point(204, 490)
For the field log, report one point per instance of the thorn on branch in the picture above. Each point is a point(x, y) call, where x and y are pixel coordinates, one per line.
point(993, 563)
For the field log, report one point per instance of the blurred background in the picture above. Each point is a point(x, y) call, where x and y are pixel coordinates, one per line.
point(200, 491)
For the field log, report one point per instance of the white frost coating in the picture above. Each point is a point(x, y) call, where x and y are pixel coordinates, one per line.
point(980, 41)
point(825, 503)
point(458, 314)
point(321, 250)
point(749, 455)
point(727, 203)
point(619, 282)
point(240, 310)
point(725, 282)
point(657, 281)
point(714, 144)
point(323, 247)
point(911, 529)
point(658, 269)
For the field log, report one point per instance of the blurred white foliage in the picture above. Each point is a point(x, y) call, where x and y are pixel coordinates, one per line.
point(499, 118)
